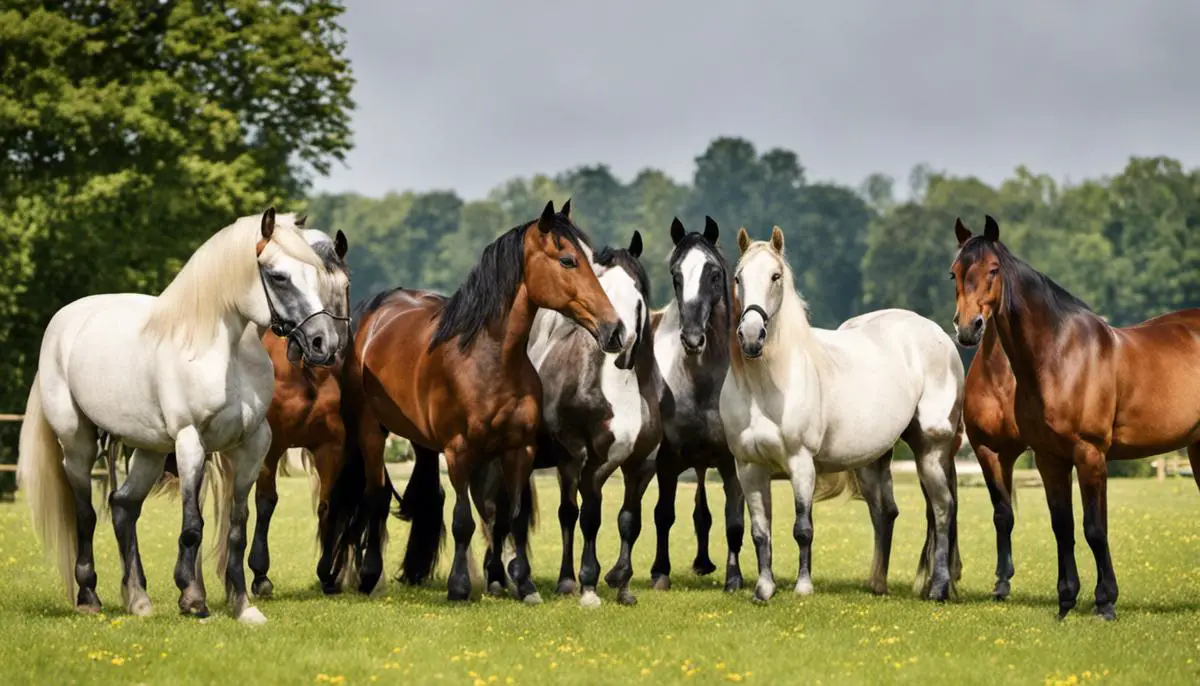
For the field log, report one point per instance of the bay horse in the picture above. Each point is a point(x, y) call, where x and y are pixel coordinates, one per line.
point(691, 347)
point(600, 412)
point(453, 375)
point(804, 402)
point(183, 372)
point(1086, 392)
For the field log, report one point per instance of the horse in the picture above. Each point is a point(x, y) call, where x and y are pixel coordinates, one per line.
point(600, 412)
point(793, 405)
point(452, 374)
point(691, 347)
point(1086, 392)
point(183, 372)
point(991, 428)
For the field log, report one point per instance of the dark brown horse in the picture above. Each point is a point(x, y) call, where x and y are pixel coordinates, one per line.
point(304, 413)
point(1085, 393)
point(452, 375)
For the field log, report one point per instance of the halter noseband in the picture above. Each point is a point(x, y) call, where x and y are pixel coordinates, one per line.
point(279, 327)
point(755, 308)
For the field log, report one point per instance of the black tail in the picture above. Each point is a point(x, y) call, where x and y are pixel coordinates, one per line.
point(422, 505)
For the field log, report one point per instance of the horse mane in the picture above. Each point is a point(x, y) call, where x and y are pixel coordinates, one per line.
point(791, 324)
point(190, 308)
point(1061, 304)
point(490, 288)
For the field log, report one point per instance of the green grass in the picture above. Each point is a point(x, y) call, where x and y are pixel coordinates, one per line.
point(694, 632)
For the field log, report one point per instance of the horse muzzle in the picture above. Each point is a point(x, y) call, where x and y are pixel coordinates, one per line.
point(971, 334)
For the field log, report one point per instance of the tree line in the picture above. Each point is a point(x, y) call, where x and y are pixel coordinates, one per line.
point(1127, 244)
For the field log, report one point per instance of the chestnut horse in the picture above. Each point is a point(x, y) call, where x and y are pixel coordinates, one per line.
point(452, 375)
point(1085, 392)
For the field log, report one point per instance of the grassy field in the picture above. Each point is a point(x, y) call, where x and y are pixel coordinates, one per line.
point(694, 632)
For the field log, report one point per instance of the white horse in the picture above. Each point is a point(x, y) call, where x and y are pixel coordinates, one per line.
point(184, 372)
point(799, 401)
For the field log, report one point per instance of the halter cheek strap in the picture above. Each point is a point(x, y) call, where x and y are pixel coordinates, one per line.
point(755, 308)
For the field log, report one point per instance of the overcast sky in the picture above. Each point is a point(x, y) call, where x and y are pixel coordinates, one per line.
point(467, 94)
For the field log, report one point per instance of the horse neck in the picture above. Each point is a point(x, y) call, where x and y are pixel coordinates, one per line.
point(512, 333)
point(1026, 334)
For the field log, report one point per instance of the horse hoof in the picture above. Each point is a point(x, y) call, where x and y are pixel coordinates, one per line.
point(367, 586)
point(331, 588)
point(703, 566)
point(565, 587)
point(88, 608)
point(616, 577)
point(1001, 592)
point(252, 616)
point(589, 598)
point(534, 598)
point(661, 582)
point(734, 584)
point(624, 597)
point(878, 587)
point(763, 592)
point(262, 588)
point(495, 589)
point(140, 606)
point(804, 587)
point(1106, 612)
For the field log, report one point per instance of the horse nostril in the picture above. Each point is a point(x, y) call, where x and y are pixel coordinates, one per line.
point(740, 336)
point(762, 335)
point(978, 323)
point(617, 335)
point(318, 343)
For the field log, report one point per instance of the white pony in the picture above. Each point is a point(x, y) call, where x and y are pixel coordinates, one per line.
point(184, 372)
point(799, 401)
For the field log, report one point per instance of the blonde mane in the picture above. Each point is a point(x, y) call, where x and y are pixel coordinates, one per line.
point(790, 325)
point(223, 268)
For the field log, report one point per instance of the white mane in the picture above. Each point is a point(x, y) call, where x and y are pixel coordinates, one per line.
point(221, 270)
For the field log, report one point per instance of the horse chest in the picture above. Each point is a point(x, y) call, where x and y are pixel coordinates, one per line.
point(623, 395)
point(761, 440)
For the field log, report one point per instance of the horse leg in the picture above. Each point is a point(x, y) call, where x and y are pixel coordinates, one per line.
point(664, 519)
point(1056, 478)
point(803, 475)
point(756, 483)
point(458, 584)
point(1194, 458)
point(79, 454)
point(377, 496)
point(735, 522)
point(189, 464)
point(1093, 490)
point(589, 522)
point(490, 498)
point(266, 497)
point(246, 461)
point(629, 524)
point(518, 467)
point(935, 467)
point(997, 475)
point(126, 504)
point(568, 515)
point(327, 458)
point(875, 480)
point(702, 520)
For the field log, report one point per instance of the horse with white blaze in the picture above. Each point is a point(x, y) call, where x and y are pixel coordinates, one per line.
point(801, 401)
point(183, 372)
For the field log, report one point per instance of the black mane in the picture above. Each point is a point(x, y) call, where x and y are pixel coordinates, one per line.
point(492, 285)
point(1061, 304)
point(620, 258)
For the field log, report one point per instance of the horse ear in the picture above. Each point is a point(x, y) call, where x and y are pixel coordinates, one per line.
point(301, 220)
point(744, 240)
point(711, 232)
point(547, 218)
point(268, 223)
point(991, 230)
point(961, 231)
point(777, 239)
point(340, 244)
point(566, 209)
point(635, 245)
point(677, 231)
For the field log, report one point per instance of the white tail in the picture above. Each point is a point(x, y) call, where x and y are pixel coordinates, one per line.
point(221, 480)
point(41, 474)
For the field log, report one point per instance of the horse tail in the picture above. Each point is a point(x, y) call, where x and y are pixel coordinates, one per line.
point(43, 477)
point(112, 451)
point(422, 505)
point(221, 475)
point(830, 486)
point(167, 484)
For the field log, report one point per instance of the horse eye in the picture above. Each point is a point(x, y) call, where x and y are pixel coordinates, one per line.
point(277, 277)
point(994, 271)
point(568, 262)
point(775, 276)
point(737, 280)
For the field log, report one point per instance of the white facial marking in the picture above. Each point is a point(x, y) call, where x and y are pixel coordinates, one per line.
point(625, 297)
point(692, 269)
